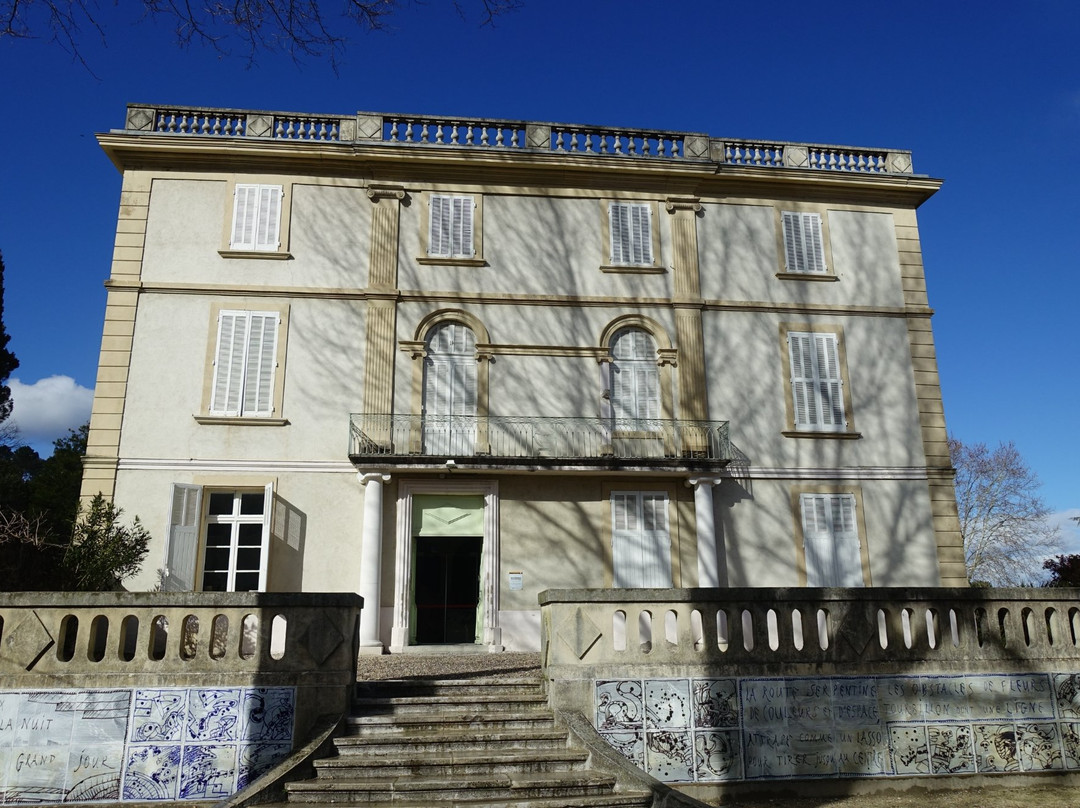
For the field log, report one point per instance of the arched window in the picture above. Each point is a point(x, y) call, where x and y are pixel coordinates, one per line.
point(449, 405)
point(635, 377)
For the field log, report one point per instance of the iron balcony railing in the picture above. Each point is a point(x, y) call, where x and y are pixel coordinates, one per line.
point(508, 439)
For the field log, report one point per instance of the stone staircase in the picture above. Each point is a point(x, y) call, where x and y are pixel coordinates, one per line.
point(488, 741)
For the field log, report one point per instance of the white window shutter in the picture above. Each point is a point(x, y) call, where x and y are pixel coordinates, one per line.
point(816, 382)
point(463, 226)
point(804, 246)
point(848, 553)
point(619, 225)
point(245, 209)
point(829, 380)
point(268, 520)
point(182, 544)
point(640, 540)
point(817, 540)
point(245, 361)
point(656, 541)
point(625, 535)
point(269, 219)
point(831, 540)
point(261, 361)
point(439, 225)
point(229, 363)
point(641, 228)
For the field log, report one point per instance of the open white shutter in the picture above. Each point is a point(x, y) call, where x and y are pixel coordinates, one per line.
point(182, 544)
point(656, 540)
point(817, 540)
point(619, 225)
point(261, 360)
point(245, 209)
point(439, 229)
point(848, 554)
point(829, 383)
point(225, 398)
point(268, 220)
point(462, 227)
point(641, 233)
point(626, 553)
point(268, 520)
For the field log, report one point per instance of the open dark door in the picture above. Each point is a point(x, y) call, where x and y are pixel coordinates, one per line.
point(447, 586)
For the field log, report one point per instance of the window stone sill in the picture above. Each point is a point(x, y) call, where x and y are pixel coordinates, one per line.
point(807, 276)
point(434, 260)
point(633, 269)
point(791, 433)
point(239, 420)
point(270, 255)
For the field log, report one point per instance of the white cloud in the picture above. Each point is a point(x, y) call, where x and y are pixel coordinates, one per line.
point(47, 409)
point(1070, 530)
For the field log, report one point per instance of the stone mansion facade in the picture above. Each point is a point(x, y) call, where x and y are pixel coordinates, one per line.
point(449, 364)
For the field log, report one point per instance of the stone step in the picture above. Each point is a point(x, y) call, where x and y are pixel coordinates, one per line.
point(455, 764)
point(376, 742)
point(622, 800)
point(400, 705)
point(447, 687)
point(457, 718)
point(453, 791)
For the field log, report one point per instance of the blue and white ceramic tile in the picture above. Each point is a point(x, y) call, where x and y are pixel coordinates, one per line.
point(152, 772)
point(267, 714)
point(631, 745)
point(995, 748)
point(1039, 747)
point(619, 705)
point(717, 755)
point(951, 749)
point(1067, 695)
point(158, 716)
point(715, 703)
point(213, 714)
point(207, 771)
point(910, 749)
point(257, 759)
point(667, 703)
point(669, 755)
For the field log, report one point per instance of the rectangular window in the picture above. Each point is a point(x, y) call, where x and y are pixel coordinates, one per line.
point(831, 540)
point(245, 361)
point(450, 234)
point(256, 217)
point(233, 544)
point(630, 225)
point(816, 384)
point(640, 539)
point(804, 246)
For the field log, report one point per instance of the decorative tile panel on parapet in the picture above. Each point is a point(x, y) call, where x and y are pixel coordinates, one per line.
point(143, 744)
point(709, 730)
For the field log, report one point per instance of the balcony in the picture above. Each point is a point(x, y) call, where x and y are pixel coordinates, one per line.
point(535, 441)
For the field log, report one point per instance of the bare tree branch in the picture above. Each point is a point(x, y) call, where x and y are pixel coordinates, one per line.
point(1007, 535)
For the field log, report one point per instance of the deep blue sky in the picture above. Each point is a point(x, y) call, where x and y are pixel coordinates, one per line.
point(986, 95)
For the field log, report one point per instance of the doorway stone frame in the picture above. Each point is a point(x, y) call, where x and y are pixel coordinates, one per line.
point(491, 636)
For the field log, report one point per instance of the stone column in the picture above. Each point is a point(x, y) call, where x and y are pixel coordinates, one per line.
point(371, 561)
point(708, 558)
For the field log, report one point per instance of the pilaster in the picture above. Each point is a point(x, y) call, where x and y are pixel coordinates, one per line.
point(381, 320)
point(693, 400)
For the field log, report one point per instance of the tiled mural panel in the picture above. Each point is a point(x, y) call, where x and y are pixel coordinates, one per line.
point(705, 730)
point(160, 744)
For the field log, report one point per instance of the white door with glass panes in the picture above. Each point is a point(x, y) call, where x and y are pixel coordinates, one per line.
point(640, 539)
point(831, 540)
point(449, 406)
point(231, 552)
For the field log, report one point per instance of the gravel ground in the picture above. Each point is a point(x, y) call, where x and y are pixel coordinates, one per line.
point(447, 666)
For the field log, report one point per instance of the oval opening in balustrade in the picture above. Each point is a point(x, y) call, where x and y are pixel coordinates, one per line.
point(905, 624)
point(932, 627)
point(747, 630)
point(1027, 621)
point(982, 628)
point(129, 637)
point(69, 629)
point(618, 630)
point(219, 636)
point(1053, 630)
point(279, 628)
point(1004, 627)
point(249, 636)
point(883, 628)
point(671, 627)
point(954, 628)
point(644, 627)
point(99, 635)
point(823, 629)
point(697, 630)
point(159, 637)
point(722, 635)
point(797, 629)
point(189, 637)
point(773, 628)
point(1074, 625)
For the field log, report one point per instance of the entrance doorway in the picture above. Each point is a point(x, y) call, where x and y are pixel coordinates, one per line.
point(447, 587)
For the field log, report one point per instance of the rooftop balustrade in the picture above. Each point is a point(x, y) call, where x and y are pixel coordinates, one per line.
point(509, 440)
point(570, 141)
